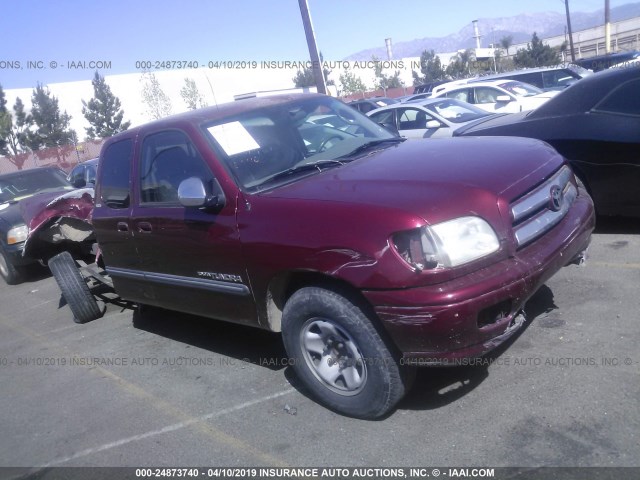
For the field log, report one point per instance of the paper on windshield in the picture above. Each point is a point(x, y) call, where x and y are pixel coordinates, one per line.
point(233, 138)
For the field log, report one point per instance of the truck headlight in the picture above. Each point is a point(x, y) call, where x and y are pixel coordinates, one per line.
point(447, 244)
point(17, 234)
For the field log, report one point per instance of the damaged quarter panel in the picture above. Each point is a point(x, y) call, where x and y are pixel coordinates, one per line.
point(65, 218)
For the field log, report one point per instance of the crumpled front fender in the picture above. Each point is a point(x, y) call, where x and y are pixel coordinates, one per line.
point(66, 218)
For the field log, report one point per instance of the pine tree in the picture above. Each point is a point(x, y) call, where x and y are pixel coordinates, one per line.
point(103, 111)
point(5, 124)
point(158, 103)
point(52, 126)
point(431, 68)
point(19, 129)
point(304, 78)
point(191, 95)
point(537, 54)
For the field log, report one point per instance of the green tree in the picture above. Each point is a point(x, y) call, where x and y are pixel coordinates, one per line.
point(51, 125)
point(506, 42)
point(383, 81)
point(19, 129)
point(460, 65)
point(103, 111)
point(5, 124)
point(304, 78)
point(191, 95)
point(158, 103)
point(351, 84)
point(431, 68)
point(537, 54)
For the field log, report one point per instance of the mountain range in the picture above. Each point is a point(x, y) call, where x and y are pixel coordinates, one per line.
point(520, 27)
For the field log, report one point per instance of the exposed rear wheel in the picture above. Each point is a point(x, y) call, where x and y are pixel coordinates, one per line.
point(339, 355)
point(74, 288)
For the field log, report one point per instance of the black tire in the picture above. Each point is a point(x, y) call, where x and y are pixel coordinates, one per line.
point(11, 274)
point(357, 374)
point(74, 288)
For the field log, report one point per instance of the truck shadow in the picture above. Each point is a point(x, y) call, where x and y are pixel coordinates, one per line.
point(238, 342)
point(433, 388)
point(617, 225)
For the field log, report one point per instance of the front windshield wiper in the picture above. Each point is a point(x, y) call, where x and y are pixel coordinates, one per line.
point(372, 143)
point(319, 165)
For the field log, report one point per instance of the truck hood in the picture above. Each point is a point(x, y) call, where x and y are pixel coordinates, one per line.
point(22, 211)
point(433, 177)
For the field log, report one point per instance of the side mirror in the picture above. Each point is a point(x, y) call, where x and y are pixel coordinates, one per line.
point(504, 99)
point(193, 193)
point(433, 124)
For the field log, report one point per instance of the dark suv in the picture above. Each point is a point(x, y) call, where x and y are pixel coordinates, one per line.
point(368, 254)
point(23, 193)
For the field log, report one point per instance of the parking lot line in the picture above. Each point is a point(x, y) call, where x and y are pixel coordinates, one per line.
point(167, 429)
point(168, 409)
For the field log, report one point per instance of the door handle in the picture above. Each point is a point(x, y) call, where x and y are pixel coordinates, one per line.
point(123, 227)
point(144, 227)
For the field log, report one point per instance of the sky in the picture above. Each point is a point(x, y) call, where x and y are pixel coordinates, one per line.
point(57, 41)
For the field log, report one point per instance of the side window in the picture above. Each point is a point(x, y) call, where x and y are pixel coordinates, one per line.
point(462, 95)
point(167, 159)
point(91, 174)
point(115, 174)
point(413, 119)
point(625, 99)
point(383, 118)
point(486, 95)
point(76, 177)
point(533, 78)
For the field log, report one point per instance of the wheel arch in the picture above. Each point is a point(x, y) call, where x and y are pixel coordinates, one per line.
point(285, 284)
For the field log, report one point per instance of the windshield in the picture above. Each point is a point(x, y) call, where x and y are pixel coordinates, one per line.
point(30, 182)
point(259, 145)
point(521, 89)
point(456, 111)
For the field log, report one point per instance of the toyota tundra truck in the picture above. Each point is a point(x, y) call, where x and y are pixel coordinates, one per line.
point(368, 254)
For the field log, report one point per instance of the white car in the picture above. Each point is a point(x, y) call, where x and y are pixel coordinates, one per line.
point(430, 118)
point(496, 96)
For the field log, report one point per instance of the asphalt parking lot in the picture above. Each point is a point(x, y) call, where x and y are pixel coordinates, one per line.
point(156, 388)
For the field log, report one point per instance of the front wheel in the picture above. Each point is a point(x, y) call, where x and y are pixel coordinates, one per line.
point(339, 355)
point(74, 288)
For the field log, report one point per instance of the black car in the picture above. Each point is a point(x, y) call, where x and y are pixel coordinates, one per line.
point(21, 194)
point(368, 104)
point(84, 174)
point(595, 124)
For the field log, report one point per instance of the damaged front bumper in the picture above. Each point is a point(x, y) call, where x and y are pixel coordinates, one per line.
point(471, 315)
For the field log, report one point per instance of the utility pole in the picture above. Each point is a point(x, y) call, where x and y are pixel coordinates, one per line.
point(313, 48)
point(607, 27)
point(573, 55)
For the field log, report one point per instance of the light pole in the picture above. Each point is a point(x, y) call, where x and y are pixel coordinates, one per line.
point(573, 55)
point(313, 48)
point(607, 27)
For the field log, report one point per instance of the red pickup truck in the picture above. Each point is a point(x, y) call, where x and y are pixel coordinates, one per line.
point(370, 255)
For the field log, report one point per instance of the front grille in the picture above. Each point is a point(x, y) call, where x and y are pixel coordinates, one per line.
point(539, 210)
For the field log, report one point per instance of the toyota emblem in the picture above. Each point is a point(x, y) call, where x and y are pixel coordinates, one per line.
point(555, 195)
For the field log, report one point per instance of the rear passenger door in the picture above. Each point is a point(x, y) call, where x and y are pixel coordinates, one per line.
point(190, 257)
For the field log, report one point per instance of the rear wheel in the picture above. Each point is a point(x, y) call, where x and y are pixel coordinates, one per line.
point(74, 288)
point(8, 271)
point(339, 355)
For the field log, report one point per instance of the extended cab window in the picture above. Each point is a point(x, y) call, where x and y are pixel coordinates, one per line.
point(116, 172)
point(167, 159)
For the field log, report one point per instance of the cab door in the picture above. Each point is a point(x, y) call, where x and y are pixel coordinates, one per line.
point(190, 257)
